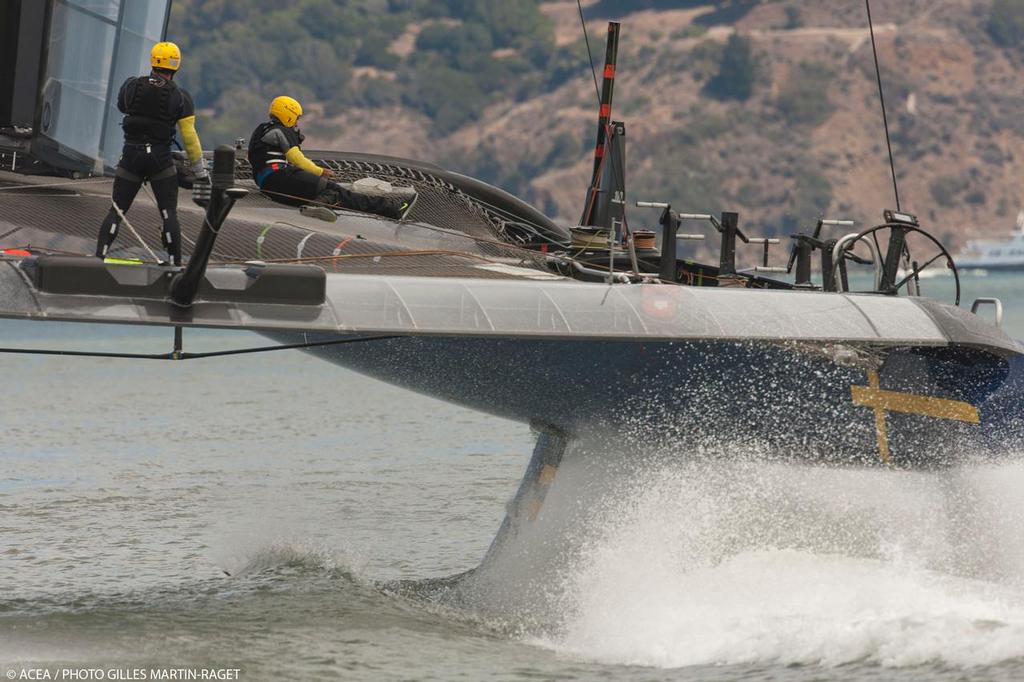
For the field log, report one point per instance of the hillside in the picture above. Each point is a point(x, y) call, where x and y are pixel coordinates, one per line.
point(769, 108)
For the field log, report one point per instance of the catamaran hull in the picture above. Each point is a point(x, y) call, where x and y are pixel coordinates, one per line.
point(846, 378)
point(906, 406)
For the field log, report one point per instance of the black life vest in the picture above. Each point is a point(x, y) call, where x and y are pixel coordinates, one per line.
point(262, 153)
point(152, 106)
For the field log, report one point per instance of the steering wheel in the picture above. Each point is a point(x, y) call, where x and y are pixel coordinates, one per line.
point(909, 279)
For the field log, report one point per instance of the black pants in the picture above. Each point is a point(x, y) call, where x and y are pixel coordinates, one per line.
point(295, 187)
point(140, 164)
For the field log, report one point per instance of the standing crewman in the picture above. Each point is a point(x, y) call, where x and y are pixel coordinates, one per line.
point(287, 176)
point(153, 105)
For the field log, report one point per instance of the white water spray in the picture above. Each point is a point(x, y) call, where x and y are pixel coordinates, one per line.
point(739, 563)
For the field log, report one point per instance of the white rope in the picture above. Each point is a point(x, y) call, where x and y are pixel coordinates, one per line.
point(125, 219)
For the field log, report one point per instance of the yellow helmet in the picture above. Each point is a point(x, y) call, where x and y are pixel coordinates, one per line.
point(286, 110)
point(165, 56)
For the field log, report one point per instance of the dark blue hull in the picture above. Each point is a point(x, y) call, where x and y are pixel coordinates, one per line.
point(911, 407)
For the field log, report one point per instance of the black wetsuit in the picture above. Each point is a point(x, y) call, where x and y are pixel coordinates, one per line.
point(290, 185)
point(152, 106)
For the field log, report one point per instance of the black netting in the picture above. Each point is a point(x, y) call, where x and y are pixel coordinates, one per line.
point(63, 216)
point(440, 202)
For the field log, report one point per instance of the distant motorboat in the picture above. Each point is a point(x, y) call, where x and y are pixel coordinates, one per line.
point(1006, 253)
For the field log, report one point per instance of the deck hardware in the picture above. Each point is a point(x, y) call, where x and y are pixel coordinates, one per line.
point(995, 303)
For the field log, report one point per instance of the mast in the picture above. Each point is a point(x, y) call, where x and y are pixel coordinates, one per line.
point(603, 122)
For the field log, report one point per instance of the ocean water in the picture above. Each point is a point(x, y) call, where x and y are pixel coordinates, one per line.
point(288, 519)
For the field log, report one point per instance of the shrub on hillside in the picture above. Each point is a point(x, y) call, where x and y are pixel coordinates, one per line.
point(811, 198)
point(464, 46)
point(947, 189)
point(374, 50)
point(804, 100)
point(451, 98)
point(1006, 22)
point(737, 71)
point(794, 18)
point(512, 23)
point(378, 92)
point(565, 63)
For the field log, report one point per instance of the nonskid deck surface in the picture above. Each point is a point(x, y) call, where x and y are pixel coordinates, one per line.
point(62, 216)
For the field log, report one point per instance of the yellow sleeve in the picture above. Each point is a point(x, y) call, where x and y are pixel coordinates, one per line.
point(190, 139)
point(297, 158)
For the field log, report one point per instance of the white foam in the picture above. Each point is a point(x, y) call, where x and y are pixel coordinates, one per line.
point(773, 564)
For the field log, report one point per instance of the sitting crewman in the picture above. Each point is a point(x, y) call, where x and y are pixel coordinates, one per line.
point(153, 105)
point(284, 174)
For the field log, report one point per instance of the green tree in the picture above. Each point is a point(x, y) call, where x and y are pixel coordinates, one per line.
point(464, 46)
point(451, 98)
point(239, 54)
point(516, 23)
point(374, 51)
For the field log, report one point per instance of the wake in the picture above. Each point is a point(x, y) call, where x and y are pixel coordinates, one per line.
point(649, 561)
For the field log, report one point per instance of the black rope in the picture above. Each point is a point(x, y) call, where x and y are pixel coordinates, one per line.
point(193, 356)
point(590, 53)
point(881, 99)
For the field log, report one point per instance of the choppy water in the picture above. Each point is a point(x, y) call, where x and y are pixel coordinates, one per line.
point(288, 518)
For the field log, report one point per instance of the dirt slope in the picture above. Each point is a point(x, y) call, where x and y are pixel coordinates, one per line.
point(954, 100)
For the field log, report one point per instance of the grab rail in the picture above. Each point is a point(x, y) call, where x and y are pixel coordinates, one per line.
point(978, 302)
point(837, 252)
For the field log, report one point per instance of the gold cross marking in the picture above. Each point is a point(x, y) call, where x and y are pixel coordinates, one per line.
point(882, 401)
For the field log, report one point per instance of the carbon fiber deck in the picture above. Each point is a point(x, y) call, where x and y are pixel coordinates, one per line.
point(449, 235)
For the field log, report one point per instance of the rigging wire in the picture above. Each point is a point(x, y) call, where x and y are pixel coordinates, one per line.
point(195, 356)
point(48, 185)
point(590, 53)
point(881, 99)
point(372, 254)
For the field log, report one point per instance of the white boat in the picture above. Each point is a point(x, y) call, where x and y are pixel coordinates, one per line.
point(1006, 253)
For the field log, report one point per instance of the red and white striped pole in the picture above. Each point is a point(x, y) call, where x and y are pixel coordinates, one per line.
point(604, 118)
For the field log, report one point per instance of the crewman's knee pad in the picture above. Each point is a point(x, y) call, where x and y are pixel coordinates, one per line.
point(170, 235)
point(171, 232)
point(108, 233)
